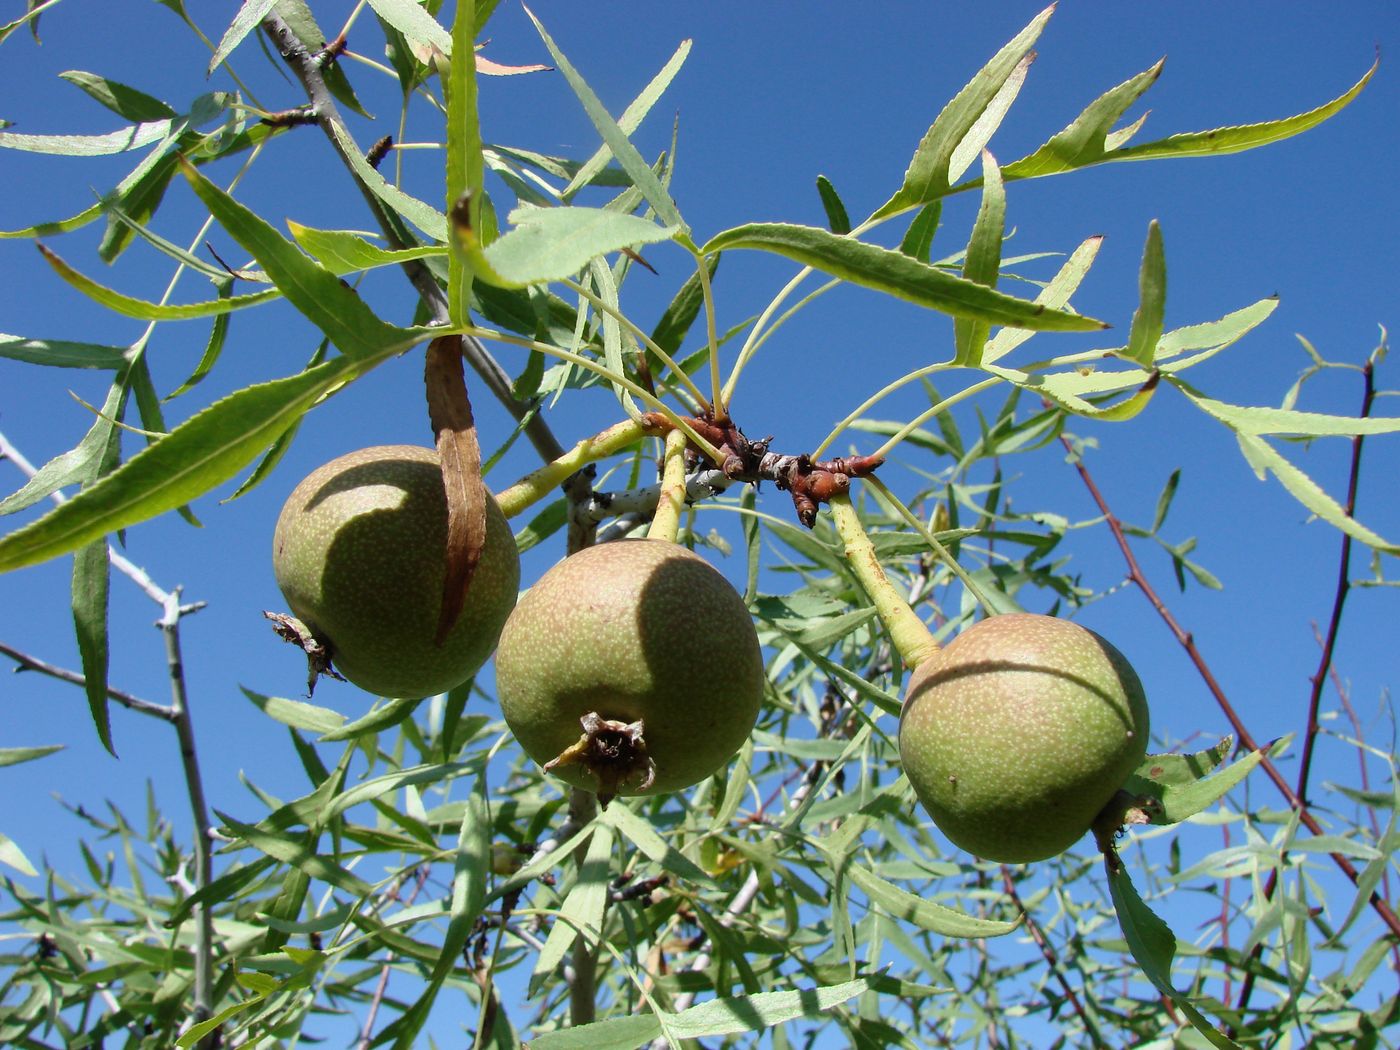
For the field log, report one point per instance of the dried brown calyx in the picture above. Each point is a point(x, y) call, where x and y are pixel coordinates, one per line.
point(810, 482)
point(614, 752)
point(318, 655)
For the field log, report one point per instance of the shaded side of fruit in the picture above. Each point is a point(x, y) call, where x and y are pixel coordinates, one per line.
point(358, 554)
point(1018, 733)
point(635, 631)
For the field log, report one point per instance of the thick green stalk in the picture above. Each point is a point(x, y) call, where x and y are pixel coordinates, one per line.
point(671, 500)
point(911, 637)
point(538, 484)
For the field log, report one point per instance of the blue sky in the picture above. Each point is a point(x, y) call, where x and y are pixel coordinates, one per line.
point(772, 95)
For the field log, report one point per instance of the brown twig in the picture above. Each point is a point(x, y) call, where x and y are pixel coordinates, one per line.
point(1051, 957)
point(1188, 643)
point(377, 999)
point(308, 68)
point(131, 703)
point(1318, 681)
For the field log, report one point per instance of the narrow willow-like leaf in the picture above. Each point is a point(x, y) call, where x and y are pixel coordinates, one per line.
point(642, 835)
point(296, 713)
point(982, 260)
point(837, 220)
point(213, 346)
point(917, 241)
point(415, 23)
point(125, 101)
point(1084, 141)
point(924, 914)
point(77, 464)
point(341, 251)
point(977, 137)
point(90, 591)
point(1153, 945)
point(1055, 295)
point(606, 285)
point(58, 353)
point(129, 138)
point(385, 716)
point(1212, 335)
point(146, 311)
point(718, 1017)
point(30, 17)
point(471, 865)
point(1067, 390)
point(202, 452)
point(294, 850)
point(584, 905)
point(630, 120)
point(1152, 300)
point(927, 175)
point(244, 22)
point(549, 244)
point(428, 219)
point(1263, 458)
point(1182, 800)
point(13, 856)
point(13, 756)
point(1254, 420)
point(616, 139)
point(897, 274)
point(466, 168)
point(319, 294)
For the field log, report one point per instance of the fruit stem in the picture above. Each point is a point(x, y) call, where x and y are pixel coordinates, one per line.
point(667, 521)
point(535, 486)
point(911, 636)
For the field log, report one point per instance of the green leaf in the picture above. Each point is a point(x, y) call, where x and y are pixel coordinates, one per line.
point(616, 139)
point(58, 353)
point(1152, 300)
point(718, 1017)
point(90, 589)
point(982, 260)
point(918, 238)
point(126, 102)
point(341, 251)
point(120, 141)
point(1256, 421)
point(417, 25)
point(13, 856)
point(1153, 945)
point(925, 914)
point(927, 176)
point(897, 274)
point(981, 132)
point(380, 718)
point(837, 221)
point(1055, 296)
point(549, 244)
point(249, 15)
point(295, 851)
point(466, 169)
point(202, 452)
point(296, 713)
point(1178, 799)
point(584, 905)
point(653, 846)
point(319, 294)
point(630, 120)
point(427, 218)
point(146, 311)
point(1065, 389)
point(1083, 142)
point(1263, 459)
point(13, 756)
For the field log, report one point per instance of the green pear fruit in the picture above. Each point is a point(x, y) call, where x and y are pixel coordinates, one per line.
point(1019, 732)
point(631, 668)
point(359, 555)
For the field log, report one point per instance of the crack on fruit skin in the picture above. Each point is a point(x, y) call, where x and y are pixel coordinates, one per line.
point(615, 752)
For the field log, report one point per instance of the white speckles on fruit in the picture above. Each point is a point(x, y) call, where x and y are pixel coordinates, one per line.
point(1017, 734)
point(635, 630)
point(358, 553)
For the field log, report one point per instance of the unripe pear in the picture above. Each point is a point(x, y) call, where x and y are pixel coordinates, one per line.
point(359, 553)
point(631, 668)
point(1018, 733)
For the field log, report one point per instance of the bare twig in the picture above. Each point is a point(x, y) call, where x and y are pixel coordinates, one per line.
point(1188, 642)
point(367, 1029)
point(131, 703)
point(308, 68)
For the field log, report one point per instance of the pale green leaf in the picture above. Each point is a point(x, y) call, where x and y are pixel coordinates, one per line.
point(202, 452)
point(1152, 300)
point(549, 244)
point(244, 22)
point(981, 132)
point(13, 856)
point(982, 260)
point(1054, 296)
point(925, 914)
point(415, 23)
point(125, 101)
point(656, 849)
point(61, 354)
point(341, 251)
point(296, 713)
point(897, 274)
point(584, 905)
point(13, 756)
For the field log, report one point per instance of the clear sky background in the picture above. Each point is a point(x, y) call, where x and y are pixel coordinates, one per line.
point(772, 95)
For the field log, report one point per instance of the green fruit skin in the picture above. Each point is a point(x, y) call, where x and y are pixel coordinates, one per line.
point(358, 554)
point(1018, 733)
point(637, 629)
